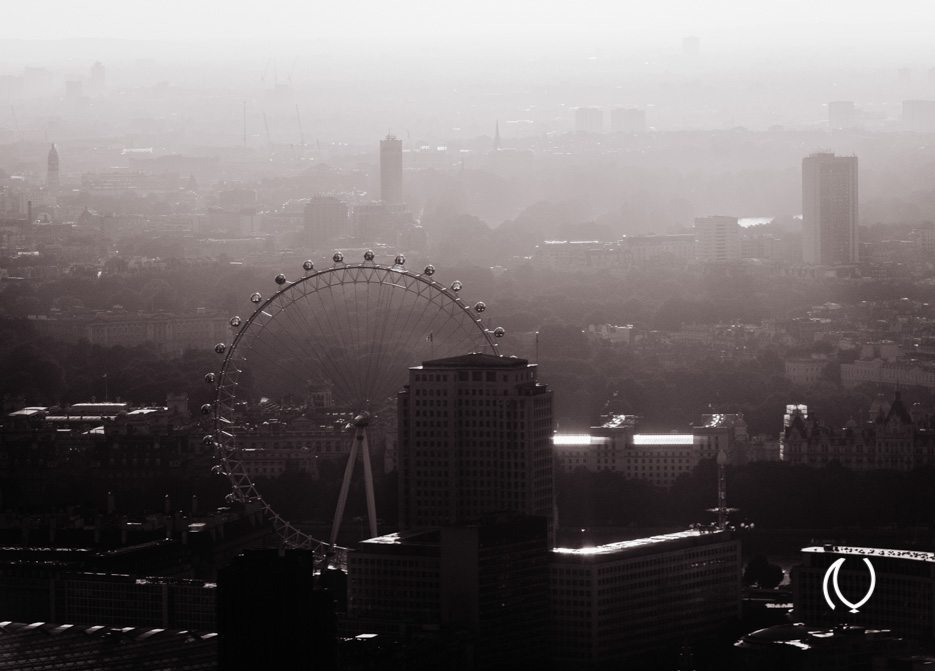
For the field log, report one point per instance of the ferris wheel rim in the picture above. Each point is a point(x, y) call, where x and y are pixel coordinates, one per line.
point(243, 487)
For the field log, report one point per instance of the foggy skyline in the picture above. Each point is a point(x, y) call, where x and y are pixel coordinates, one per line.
point(719, 23)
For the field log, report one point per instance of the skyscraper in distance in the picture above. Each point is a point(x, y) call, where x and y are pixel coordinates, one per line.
point(391, 170)
point(474, 437)
point(52, 176)
point(829, 209)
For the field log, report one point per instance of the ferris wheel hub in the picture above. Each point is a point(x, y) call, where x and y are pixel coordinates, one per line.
point(362, 420)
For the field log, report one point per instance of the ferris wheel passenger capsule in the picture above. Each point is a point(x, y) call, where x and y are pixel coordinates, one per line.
point(308, 266)
point(429, 270)
point(209, 378)
point(256, 297)
point(400, 260)
point(207, 440)
point(480, 306)
point(206, 409)
point(338, 257)
point(216, 469)
point(456, 286)
point(235, 321)
point(280, 279)
point(230, 498)
point(499, 332)
point(368, 255)
point(220, 347)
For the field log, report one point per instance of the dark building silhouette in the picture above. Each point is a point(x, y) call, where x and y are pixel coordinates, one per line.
point(894, 438)
point(52, 174)
point(482, 586)
point(902, 598)
point(475, 436)
point(270, 616)
point(42, 646)
point(391, 170)
point(799, 647)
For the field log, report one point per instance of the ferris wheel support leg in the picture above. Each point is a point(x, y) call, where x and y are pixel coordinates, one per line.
point(342, 497)
point(368, 483)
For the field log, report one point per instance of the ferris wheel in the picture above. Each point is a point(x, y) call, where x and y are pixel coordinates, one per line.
point(335, 342)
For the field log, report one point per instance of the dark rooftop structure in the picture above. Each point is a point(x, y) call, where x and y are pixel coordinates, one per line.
point(476, 360)
point(40, 645)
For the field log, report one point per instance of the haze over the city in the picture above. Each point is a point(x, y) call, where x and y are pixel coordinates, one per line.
point(479, 335)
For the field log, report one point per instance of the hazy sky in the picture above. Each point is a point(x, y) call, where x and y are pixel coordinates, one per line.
point(732, 22)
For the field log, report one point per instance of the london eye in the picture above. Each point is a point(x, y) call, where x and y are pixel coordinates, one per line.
point(330, 349)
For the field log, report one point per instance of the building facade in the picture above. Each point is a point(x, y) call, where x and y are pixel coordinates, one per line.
point(638, 601)
point(391, 170)
point(485, 582)
point(829, 210)
point(717, 239)
point(474, 437)
point(894, 437)
point(171, 334)
point(657, 458)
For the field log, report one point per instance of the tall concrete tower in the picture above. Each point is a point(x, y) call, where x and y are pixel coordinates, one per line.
point(52, 179)
point(475, 437)
point(829, 210)
point(391, 170)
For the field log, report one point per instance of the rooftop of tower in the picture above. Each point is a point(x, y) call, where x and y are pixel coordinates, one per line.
point(476, 360)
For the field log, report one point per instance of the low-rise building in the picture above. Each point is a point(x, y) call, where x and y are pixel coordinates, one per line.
point(170, 334)
point(658, 458)
point(905, 372)
point(640, 599)
point(585, 607)
point(806, 371)
point(894, 437)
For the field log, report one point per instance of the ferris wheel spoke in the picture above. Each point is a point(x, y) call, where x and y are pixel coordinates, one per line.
point(324, 357)
point(418, 329)
point(391, 340)
point(371, 315)
point(268, 357)
point(357, 326)
point(435, 325)
point(286, 350)
point(308, 353)
point(346, 337)
point(326, 331)
point(397, 358)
